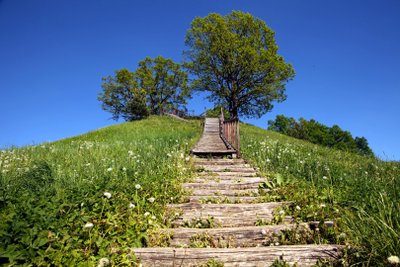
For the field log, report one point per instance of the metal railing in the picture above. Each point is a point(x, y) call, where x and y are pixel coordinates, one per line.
point(229, 132)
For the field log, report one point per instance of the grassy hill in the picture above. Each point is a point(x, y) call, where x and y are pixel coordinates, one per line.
point(361, 194)
point(77, 200)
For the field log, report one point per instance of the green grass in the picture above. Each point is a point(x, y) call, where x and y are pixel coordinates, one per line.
point(53, 209)
point(50, 192)
point(361, 194)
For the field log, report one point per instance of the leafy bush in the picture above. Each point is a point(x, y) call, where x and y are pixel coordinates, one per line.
point(320, 134)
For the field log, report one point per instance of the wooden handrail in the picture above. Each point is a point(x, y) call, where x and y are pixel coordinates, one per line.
point(229, 132)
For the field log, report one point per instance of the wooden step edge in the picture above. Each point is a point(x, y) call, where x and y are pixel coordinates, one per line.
point(222, 199)
point(243, 206)
point(303, 255)
point(223, 192)
point(248, 236)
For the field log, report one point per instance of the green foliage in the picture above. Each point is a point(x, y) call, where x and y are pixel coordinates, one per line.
point(157, 86)
point(320, 134)
point(165, 84)
point(360, 193)
point(216, 112)
point(55, 208)
point(235, 59)
point(122, 97)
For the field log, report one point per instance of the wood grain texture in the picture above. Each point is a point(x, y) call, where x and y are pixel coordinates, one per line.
point(303, 255)
point(250, 236)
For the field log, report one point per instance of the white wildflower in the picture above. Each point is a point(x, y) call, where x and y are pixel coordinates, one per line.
point(263, 232)
point(146, 214)
point(298, 208)
point(137, 186)
point(131, 206)
point(268, 160)
point(182, 156)
point(130, 153)
point(109, 169)
point(88, 225)
point(393, 260)
point(324, 177)
point(124, 169)
point(187, 158)
point(153, 217)
point(281, 212)
point(107, 195)
point(104, 262)
point(322, 205)
point(151, 200)
point(342, 236)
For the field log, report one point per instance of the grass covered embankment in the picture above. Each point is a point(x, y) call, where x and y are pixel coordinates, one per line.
point(80, 199)
point(361, 194)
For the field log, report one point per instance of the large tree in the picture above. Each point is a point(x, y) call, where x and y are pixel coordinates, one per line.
point(165, 84)
point(235, 59)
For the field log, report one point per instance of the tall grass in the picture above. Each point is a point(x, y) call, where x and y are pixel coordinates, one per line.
point(360, 193)
point(80, 199)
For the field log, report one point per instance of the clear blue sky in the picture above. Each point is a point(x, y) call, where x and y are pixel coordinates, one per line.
point(53, 54)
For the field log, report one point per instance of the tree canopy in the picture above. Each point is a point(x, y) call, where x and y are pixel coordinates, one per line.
point(318, 133)
point(235, 59)
point(165, 84)
point(158, 85)
point(122, 97)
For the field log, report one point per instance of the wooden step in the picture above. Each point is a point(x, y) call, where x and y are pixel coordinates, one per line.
point(225, 215)
point(303, 255)
point(228, 168)
point(236, 165)
point(250, 236)
point(232, 174)
point(228, 179)
point(222, 199)
point(218, 161)
point(225, 192)
point(222, 185)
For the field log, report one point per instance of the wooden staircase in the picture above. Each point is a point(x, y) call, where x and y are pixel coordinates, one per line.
point(211, 143)
point(224, 221)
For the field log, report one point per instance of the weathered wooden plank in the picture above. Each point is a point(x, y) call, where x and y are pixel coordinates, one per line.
point(228, 179)
point(225, 215)
point(303, 255)
point(225, 192)
point(250, 236)
point(222, 185)
point(233, 174)
point(229, 168)
point(218, 161)
point(223, 199)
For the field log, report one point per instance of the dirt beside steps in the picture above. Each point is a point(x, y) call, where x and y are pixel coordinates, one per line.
point(223, 222)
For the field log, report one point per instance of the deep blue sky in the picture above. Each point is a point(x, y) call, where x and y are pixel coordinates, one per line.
point(53, 54)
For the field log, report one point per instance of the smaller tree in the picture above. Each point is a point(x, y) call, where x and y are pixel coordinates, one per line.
point(157, 86)
point(165, 84)
point(122, 97)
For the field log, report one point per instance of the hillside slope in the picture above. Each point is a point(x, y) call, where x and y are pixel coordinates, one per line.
point(97, 195)
point(362, 194)
point(78, 199)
